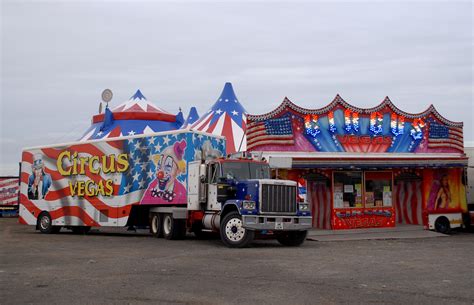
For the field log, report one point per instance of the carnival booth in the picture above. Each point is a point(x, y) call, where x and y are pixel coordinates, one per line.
point(132, 117)
point(225, 118)
point(360, 168)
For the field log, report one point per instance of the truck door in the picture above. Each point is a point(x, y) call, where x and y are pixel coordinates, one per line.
point(213, 174)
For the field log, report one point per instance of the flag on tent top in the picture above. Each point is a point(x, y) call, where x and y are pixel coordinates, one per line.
point(193, 116)
point(132, 117)
point(227, 117)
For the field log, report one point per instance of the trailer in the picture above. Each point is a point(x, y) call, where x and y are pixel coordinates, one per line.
point(173, 182)
point(9, 190)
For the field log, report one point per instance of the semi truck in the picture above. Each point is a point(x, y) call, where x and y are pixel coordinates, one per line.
point(172, 182)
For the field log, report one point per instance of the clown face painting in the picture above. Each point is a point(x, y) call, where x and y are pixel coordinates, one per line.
point(166, 188)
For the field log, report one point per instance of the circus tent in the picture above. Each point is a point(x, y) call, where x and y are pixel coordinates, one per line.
point(135, 116)
point(227, 117)
point(193, 116)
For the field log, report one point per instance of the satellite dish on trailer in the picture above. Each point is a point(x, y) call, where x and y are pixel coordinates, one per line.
point(107, 96)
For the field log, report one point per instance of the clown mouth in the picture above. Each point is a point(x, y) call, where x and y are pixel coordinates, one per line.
point(162, 183)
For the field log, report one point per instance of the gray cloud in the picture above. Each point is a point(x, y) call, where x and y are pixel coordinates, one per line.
point(58, 56)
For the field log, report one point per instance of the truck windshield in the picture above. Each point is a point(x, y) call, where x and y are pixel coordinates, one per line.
point(245, 170)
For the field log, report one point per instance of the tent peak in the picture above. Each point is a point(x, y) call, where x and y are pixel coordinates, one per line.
point(138, 95)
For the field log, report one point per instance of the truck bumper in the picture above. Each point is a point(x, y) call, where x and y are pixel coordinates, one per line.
point(277, 223)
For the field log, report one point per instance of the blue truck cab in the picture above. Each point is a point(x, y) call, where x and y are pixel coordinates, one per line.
point(241, 201)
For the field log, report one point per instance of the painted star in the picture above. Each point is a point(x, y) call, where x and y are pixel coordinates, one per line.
point(131, 133)
point(166, 140)
point(150, 174)
point(141, 184)
point(226, 100)
point(126, 189)
point(136, 176)
point(158, 147)
point(218, 111)
point(200, 136)
point(100, 133)
point(235, 113)
point(137, 145)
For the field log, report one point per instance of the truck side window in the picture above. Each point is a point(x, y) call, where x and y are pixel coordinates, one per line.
point(213, 172)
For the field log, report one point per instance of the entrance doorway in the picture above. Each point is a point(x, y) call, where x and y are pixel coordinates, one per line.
point(408, 199)
point(319, 196)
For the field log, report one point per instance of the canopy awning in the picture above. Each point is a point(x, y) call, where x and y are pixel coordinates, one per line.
point(363, 160)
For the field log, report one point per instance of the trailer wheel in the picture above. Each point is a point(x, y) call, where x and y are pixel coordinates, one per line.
point(173, 228)
point(442, 225)
point(45, 224)
point(292, 238)
point(233, 234)
point(156, 226)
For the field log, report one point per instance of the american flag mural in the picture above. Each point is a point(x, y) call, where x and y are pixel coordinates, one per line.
point(46, 187)
point(272, 131)
point(319, 195)
point(133, 117)
point(227, 117)
point(8, 191)
point(408, 201)
point(443, 136)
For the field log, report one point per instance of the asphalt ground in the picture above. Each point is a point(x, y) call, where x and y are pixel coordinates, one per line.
point(119, 267)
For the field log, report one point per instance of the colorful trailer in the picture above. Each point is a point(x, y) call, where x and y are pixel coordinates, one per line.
point(9, 190)
point(175, 182)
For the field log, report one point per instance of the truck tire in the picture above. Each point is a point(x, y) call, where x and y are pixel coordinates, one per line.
point(156, 225)
point(233, 234)
point(173, 228)
point(292, 238)
point(45, 224)
point(442, 225)
point(80, 230)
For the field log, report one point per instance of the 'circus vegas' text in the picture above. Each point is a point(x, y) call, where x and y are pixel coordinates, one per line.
point(93, 165)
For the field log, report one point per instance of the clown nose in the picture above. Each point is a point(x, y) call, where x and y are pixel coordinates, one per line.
point(160, 175)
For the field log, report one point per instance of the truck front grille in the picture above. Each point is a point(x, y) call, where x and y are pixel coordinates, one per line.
point(278, 199)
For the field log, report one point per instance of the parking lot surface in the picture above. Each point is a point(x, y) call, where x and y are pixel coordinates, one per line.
point(119, 267)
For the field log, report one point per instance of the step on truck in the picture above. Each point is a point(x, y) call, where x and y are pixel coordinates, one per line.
point(172, 182)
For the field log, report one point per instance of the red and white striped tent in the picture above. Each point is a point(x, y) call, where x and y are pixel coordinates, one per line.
point(134, 116)
point(227, 117)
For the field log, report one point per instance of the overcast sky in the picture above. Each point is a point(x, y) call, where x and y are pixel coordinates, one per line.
point(57, 57)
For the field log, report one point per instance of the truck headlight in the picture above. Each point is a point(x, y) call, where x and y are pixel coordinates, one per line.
point(248, 205)
point(303, 206)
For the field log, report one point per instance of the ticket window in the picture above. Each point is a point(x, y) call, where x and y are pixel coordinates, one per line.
point(348, 190)
point(378, 189)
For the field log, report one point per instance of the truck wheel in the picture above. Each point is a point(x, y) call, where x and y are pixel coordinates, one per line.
point(442, 225)
point(292, 238)
point(80, 230)
point(173, 228)
point(233, 234)
point(45, 224)
point(156, 226)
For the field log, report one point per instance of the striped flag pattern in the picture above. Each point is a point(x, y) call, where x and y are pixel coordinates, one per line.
point(442, 136)
point(9, 191)
point(89, 211)
point(320, 199)
point(272, 131)
point(408, 202)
